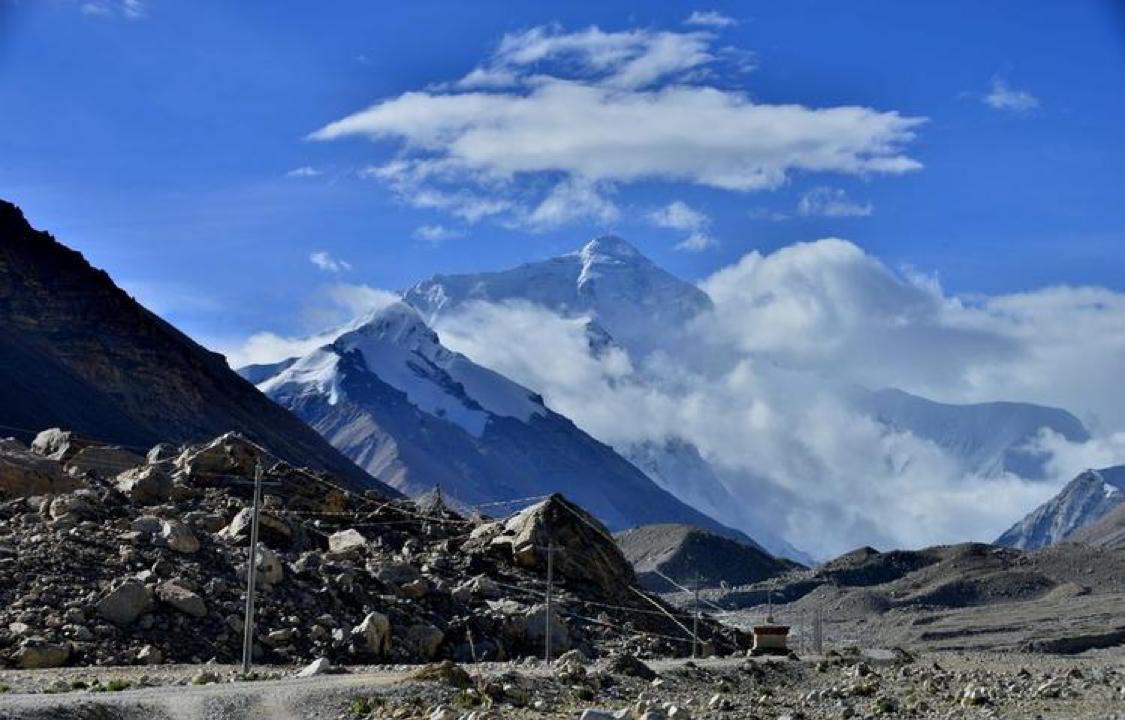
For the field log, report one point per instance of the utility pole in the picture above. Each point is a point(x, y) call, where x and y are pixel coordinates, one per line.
point(695, 620)
point(251, 574)
point(550, 578)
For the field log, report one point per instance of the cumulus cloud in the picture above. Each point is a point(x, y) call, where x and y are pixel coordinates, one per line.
point(599, 109)
point(1004, 97)
point(762, 388)
point(832, 203)
point(435, 234)
point(573, 199)
point(710, 18)
point(678, 215)
point(327, 263)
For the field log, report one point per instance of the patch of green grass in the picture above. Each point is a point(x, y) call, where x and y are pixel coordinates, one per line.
point(117, 685)
point(467, 699)
point(4, 689)
point(361, 706)
point(78, 685)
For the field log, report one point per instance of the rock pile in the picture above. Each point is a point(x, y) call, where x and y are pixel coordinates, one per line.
point(118, 558)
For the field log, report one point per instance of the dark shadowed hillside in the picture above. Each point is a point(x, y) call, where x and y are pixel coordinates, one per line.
point(78, 352)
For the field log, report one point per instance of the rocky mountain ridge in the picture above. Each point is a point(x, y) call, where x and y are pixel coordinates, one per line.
point(76, 351)
point(1078, 507)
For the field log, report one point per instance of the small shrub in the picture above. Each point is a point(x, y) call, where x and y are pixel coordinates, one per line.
point(117, 685)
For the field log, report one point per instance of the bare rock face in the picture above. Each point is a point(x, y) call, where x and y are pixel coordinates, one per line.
point(229, 454)
point(24, 473)
point(583, 548)
point(125, 603)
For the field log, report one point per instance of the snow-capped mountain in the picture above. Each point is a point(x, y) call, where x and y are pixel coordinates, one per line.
point(1085, 501)
point(414, 414)
point(988, 439)
point(639, 304)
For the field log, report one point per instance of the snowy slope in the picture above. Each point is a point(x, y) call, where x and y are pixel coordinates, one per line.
point(411, 412)
point(1085, 500)
point(987, 438)
point(641, 305)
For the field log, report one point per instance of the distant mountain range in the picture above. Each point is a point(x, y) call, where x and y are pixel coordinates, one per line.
point(77, 352)
point(417, 415)
point(1088, 510)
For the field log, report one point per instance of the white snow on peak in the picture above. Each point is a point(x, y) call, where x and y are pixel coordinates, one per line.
point(1110, 490)
point(605, 250)
point(316, 373)
point(399, 348)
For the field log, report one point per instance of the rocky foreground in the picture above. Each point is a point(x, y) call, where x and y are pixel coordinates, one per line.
point(846, 684)
point(108, 558)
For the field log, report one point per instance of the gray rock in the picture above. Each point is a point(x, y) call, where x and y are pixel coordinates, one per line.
point(537, 627)
point(58, 444)
point(271, 530)
point(147, 484)
point(423, 640)
point(34, 653)
point(125, 603)
point(103, 460)
point(320, 666)
point(26, 474)
point(346, 542)
point(148, 655)
point(181, 598)
point(374, 634)
point(178, 537)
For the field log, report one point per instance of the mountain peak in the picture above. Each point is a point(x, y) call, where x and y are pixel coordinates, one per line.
point(609, 246)
point(397, 323)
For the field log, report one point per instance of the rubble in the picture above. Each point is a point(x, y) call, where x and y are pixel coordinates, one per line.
point(148, 567)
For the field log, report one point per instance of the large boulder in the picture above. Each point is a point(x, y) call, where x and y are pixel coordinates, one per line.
point(423, 641)
point(373, 635)
point(24, 473)
point(35, 652)
point(272, 530)
point(539, 623)
point(346, 542)
point(125, 603)
point(227, 455)
point(147, 484)
point(584, 551)
point(178, 537)
point(102, 460)
point(182, 598)
point(58, 444)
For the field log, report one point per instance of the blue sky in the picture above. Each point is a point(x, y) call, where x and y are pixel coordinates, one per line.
point(170, 141)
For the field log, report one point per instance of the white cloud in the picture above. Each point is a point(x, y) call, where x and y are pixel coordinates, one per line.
point(552, 112)
point(346, 306)
point(678, 215)
point(305, 171)
point(762, 385)
point(833, 203)
point(130, 9)
point(697, 242)
point(574, 199)
point(327, 263)
point(435, 234)
point(1004, 97)
point(710, 18)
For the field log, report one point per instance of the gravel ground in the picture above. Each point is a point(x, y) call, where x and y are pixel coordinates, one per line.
point(861, 685)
